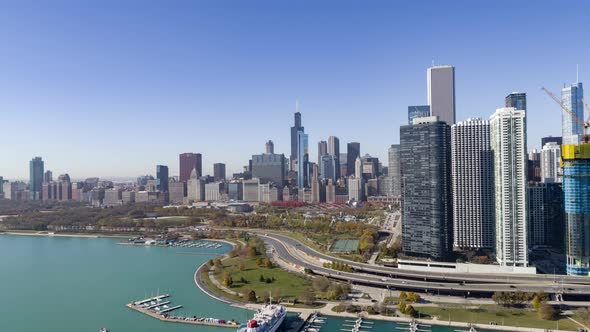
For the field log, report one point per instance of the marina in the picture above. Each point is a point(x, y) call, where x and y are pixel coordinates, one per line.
point(157, 308)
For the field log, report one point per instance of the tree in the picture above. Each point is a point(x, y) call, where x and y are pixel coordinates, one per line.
point(403, 295)
point(252, 296)
point(261, 279)
point(267, 263)
point(409, 310)
point(321, 284)
point(259, 261)
point(307, 297)
point(546, 312)
point(536, 303)
point(227, 280)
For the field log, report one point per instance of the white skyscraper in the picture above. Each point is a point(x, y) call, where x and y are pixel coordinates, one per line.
point(508, 141)
point(441, 93)
point(472, 169)
point(394, 170)
point(550, 167)
point(358, 168)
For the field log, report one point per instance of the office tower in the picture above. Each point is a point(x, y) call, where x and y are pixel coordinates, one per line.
point(188, 162)
point(269, 166)
point(36, 178)
point(425, 157)
point(316, 187)
point(213, 191)
point(219, 171)
point(472, 169)
point(394, 171)
point(48, 176)
point(250, 190)
point(441, 93)
point(327, 167)
point(162, 178)
point(571, 99)
point(545, 140)
point(550, 158)
point(372, 187)
point(369, 167)
point(128, 197)
point(418, 111)
point(355, 189)
point(234, 191)
point(330, 192)
point(516, 100)
point(353, 151)
point(508, 140)
point(302, 160)
point(270, 147)
point(195, 188)
point(1, 187)
point(576, 189)
point(358, 168)
point(295, 138)
point(343, 164)
point(334, 150)
point(322, 150)
point(534, 166)
point(176, 191)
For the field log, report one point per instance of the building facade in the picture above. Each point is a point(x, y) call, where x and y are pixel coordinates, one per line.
point(516, 100)
point(334, 150)
point(188, 162)
point(353, 151)
point(219, 171)
point(441, 93)
point(394, 171)
point(297, 127)
point(417, 111)
point(36, 172)
point(508, 141)
point(571, 99)
point(550, 163)
point(473, 184)
point(302, 160)
point(162, 178)
point(425, 160)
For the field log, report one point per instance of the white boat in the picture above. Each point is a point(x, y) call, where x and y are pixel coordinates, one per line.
point(267, 319)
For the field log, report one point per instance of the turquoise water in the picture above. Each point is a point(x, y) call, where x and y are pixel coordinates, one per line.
point(60, 284)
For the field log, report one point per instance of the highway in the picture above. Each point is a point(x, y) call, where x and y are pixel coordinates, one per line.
point(295, 252)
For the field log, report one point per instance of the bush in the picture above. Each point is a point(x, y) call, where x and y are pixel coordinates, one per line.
point(546, 312)
point(252, 296)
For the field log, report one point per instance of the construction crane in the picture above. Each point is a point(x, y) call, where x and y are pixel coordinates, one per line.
point(584, 125)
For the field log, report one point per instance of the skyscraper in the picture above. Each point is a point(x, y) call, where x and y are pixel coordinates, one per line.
point(48, 176)
point(219, 171)
point(571, 99)
point(334, 150)
point(576, 188)
point(394, 170)
point(322, 150)
point(269, 167)
point(425, 156)
point(358, 168)
point(294, 137)
point(534, 166)
point(418, 111)
point(270, 147)
point(353, 151)
point(516, 100)
point(550, 163)
point(302, 160)
point(36, 179)
point(195, 188)
point(473, 184)
point(545, 140)
point(188, 162)
point(162, 178)
point(508, 140)
point(327, 167)
point(441, 92)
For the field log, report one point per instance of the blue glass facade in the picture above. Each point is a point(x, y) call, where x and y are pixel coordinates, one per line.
point(417, 112)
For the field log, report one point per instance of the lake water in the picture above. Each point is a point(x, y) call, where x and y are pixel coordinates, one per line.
point(63, 284)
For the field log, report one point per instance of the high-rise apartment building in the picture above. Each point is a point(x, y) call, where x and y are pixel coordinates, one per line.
point(162, 178)
point(534, 166)
point(48, 176)
point(441, 93)
point(546, 215)
point(508, 140)
point(219, 171)
point(36, 179)
point(302, 160)
point(334, 150)
point(473, 184)
point(425, 157)
point(576, 189)
point(353, 151)
point(571, 99)
point(418, 111)
point(516, 100)
point(297, 127)
point(550, 163)
point(188, 162)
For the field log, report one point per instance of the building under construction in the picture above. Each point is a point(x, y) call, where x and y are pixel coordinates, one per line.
point(576, 187)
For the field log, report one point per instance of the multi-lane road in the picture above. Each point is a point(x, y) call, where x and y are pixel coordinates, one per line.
point(295, 252)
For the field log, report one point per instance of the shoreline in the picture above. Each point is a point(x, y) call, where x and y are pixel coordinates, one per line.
point(50, 234)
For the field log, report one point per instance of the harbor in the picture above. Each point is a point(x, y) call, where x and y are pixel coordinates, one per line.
point(160, 307)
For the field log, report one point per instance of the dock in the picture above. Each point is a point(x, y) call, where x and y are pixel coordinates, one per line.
point(165, 317)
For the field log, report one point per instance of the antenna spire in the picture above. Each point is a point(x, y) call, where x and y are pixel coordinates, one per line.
point(577, 73)
point(296, 105)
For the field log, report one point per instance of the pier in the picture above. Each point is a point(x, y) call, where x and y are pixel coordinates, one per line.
point(164, 315)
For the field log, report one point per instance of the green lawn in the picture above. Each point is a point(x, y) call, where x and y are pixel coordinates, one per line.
point(286, 284)
point(514, 317)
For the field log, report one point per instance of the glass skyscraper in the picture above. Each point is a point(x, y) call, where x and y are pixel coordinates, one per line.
point(162, 177)
point(419, 111)
point(571, 99)
point(516, 100)
point(36, 171)
point(302, 159)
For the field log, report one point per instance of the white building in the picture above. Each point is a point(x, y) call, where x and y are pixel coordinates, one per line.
point(195, 188)
point(550, 158)
point(355, 189)
point(472, 169)
point(250, 190)
point(213, 191)
point(441, 92)
point(508, 141)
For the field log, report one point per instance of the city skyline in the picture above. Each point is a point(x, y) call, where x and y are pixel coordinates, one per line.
point(109, 103)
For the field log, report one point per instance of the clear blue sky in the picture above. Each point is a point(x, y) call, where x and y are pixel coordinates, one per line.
point(112, 88)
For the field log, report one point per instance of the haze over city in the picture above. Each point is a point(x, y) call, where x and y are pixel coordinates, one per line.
point(112, 89)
